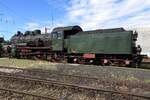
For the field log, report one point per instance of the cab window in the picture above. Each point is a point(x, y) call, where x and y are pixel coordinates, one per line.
point(56, 35)
point(59, 35)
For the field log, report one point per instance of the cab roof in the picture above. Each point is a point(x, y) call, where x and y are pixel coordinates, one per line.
point(68, 28)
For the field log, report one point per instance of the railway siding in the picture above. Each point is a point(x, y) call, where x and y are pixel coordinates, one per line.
point(75, 78)
point(89, 70)
point(91, 93)
point(119, 78)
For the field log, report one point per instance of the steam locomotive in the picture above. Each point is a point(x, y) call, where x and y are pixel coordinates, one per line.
point(73, 45)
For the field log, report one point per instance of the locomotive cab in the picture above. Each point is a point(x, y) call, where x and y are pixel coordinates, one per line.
point(60, 35)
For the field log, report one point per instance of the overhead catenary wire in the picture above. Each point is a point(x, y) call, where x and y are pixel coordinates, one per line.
point(14, 12)
point(26, 19)
point(22, 17)
point(5, 20)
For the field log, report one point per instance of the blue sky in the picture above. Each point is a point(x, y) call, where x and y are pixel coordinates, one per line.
point(89, 14)
point(27, 14)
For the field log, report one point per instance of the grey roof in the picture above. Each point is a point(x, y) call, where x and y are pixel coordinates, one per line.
point(104, 31)
point(67, 28)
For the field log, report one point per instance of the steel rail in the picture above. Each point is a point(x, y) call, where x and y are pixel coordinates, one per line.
point(68, 85)
point(49, 72)
point(25, 93)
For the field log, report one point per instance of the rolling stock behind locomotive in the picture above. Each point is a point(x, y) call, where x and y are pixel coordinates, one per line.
point(72, 44)
point(1, 45)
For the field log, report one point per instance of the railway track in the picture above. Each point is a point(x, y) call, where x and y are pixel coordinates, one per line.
point(47, 74)
point(72, 89)
point(22, 95)
point(77, 79)
point(41, 72)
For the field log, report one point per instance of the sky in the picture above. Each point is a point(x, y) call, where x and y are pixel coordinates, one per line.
point(22, 15)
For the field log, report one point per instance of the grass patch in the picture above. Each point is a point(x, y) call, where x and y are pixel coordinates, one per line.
point(23, 63)
point(147, 81)
point(131, 74)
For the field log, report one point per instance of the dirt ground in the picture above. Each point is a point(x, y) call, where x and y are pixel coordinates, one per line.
point(138, 80)
point(90, 70)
